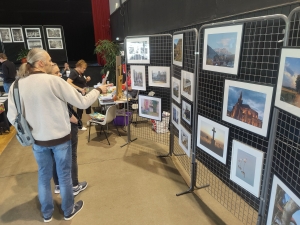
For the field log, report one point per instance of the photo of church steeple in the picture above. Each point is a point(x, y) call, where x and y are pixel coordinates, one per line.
point(248, 110)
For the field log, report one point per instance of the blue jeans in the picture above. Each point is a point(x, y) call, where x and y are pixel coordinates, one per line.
point(6, 87)
point(63, 159)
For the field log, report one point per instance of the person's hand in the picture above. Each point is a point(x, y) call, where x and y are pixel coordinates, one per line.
point(82, 90)
point(103, 89)
point(88, 79)
point(73, 119)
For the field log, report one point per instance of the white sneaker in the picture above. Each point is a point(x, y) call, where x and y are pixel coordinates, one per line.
point(83, 128)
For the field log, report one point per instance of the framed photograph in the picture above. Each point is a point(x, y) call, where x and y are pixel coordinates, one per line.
point(55, 44)
point(187, 85)
point(53, 32)
point(246, 167)
point(212, 138)
point(138, 77)
point(288, 82)
point(159, 76)
point(150, 107)
point(33, 33)
point(178, 49)
point(221, 49)
point(175, 115)
point(17, 34)
point(138, 50)
point(34, 43)
point(247, 105)
point(176, 89)
point(5, 35)
point(185, 140)
point(284, 207)
point(186, 112)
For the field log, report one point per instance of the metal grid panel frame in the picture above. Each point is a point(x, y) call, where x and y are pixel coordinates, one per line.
point(190, 37)
point(285, 163)
point(160, 55)
point(258, 63)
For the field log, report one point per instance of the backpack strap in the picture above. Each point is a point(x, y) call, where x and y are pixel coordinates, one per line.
point(17, 96)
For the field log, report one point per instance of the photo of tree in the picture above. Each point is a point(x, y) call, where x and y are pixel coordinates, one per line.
point(178, 49)
point(284, 207)
point(185, 140)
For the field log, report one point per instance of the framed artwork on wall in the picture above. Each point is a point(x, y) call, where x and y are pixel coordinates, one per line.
point(138, 77)
point(150, 107)
point(186, 112)
point(34, 43)
point(176, 89)
point(222, 48)
point(138, 50)
point(246, 167)
point(185, 140)
point(17, 34)
point(283, 200)
point(187, 85)
point(212, 138)
point(53, 32)
point(159, 76)
point(5, 35)
point(178, 49)
point(247, 105)
point(55, 44)
point(33, 33)
point(175, 115)
point(288, 82)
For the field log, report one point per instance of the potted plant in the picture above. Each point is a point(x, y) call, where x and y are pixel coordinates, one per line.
point(22, 55)
point(108, 50)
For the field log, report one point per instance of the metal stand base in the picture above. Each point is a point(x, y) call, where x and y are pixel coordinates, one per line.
point(128, 142)
point(193, 181)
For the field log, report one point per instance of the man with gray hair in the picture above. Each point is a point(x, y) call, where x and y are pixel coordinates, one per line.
point(9, 72)
point(44, 100)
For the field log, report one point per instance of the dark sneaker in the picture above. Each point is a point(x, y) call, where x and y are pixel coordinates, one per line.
point(56, 189)
point(47, 220)
point(76, 209)
point(80, 187)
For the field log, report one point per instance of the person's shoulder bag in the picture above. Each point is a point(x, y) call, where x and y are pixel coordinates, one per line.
point(24, 135)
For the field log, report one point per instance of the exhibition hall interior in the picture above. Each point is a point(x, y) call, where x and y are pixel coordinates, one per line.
point(150, 112)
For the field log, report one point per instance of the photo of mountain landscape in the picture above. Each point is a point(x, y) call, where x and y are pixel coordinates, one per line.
point(222, 49)
point(288, 86)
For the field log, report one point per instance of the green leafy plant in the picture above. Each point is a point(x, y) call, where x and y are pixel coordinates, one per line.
point(108, 50)
point(23, 54)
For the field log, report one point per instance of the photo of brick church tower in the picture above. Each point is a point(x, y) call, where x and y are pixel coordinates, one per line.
point(244, 113)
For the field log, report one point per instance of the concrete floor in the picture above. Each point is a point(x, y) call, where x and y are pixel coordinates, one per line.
point(128, 185)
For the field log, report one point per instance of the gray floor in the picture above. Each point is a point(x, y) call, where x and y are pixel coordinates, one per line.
point(128, 185)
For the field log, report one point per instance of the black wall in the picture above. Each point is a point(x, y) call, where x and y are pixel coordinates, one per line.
point(74, 15)
point(138, 17)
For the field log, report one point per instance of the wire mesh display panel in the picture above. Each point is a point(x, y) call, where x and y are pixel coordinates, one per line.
point(189, 65)
point(285, 162)
point(160, 55)
point(259, 61)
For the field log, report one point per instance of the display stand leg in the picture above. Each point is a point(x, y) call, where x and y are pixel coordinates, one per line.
point(193, 181)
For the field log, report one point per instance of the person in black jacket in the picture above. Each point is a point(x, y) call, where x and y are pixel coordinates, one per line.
point(9, 72)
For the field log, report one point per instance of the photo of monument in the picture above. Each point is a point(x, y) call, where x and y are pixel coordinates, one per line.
point(212, 138)
point(178, 49)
